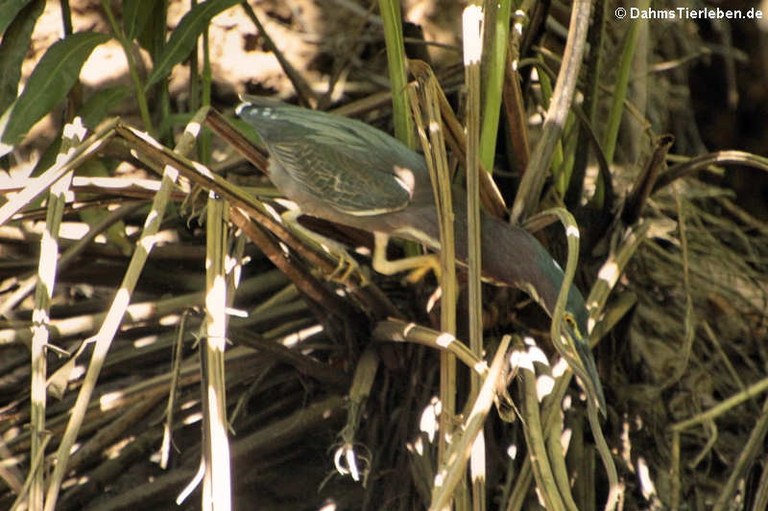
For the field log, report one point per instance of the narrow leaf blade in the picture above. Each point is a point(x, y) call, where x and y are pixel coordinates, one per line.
point(136, 13)
point(13, 49)
point(183, 39)
point(8, 11)
point(50, 82)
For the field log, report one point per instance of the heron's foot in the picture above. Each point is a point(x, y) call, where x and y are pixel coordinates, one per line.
point(193, 206)
point(417, 266)
point(346, 265)
point(423, 266)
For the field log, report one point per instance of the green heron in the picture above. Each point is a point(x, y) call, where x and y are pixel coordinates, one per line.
point(353, 174)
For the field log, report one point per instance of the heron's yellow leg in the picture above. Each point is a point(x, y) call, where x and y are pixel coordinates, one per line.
point(417, 265)
point(346, 264)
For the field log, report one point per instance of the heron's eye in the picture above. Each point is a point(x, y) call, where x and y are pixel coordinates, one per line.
point(570, 320)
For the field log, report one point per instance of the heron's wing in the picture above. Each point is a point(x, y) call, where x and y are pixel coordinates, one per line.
point(359, 182)
point(349, 165)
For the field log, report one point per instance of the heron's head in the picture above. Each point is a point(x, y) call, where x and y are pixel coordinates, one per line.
point(574, 332)
point(575, 326)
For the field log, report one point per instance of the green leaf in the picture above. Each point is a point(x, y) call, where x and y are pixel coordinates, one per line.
point(99, 105)
point(152, 38)
point(50, 82)
point(8, 11)
point(183, 39)
point(136, 13)
point(13, 49)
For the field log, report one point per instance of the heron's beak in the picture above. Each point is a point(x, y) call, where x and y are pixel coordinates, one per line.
point(582, 364)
